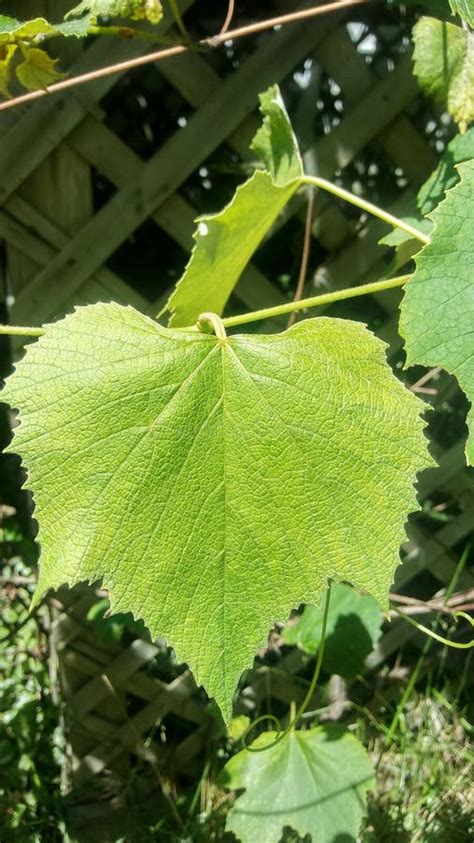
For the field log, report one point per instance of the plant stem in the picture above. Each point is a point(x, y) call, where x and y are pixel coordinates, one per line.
point(323, 184)
point(159, 55)
point(313, 301)
point(16, 330)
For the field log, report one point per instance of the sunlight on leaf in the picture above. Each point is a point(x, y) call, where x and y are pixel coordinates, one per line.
point(223, 480)
point(437, 311)
point(314, 782)
point(226, 241)
point(444, 66)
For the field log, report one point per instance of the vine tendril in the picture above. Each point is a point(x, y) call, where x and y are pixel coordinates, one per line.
point(447, 643)
point(282, 733)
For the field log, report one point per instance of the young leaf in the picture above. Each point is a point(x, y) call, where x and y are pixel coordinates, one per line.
point(313, 781)
point(12, 30)
point(463, 8)
point(444, 66)
point(437, 312)
point(213, 483)
point(353, 628)
point(226, 241)
point(7, 51)
point(275, 142)
point(38, 70)
point(151, 10)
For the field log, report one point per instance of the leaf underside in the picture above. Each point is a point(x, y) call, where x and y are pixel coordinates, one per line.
point(313, 781)
point(437, 312)
point(215, 484)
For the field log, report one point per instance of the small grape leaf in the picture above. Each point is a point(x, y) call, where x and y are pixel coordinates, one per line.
point(353, 627)
point(225, 242)
point(430, 194)
point(215, 484)
point(7, 51)
point(444, 66)
point(314, 781)
point(437, 311)
point(404, 244)
point(38, 70)
point(463, 8)
point(151, 10)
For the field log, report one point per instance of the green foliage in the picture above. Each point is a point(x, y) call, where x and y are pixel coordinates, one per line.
point(226, 241)
point(460, 148)
point(202, 463)
point(38, 69)
point(151, 10)
point(444, 66)
point(437, 312)
point(353, 628)
point(31, 747)
point(463, 8)
point(313, 781)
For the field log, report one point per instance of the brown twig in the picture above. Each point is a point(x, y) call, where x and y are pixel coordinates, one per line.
point(304, 255)
point(228, 17)
point(159, 55)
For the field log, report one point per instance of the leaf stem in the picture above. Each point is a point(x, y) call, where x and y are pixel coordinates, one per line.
point(294, 718)
point(347, 196)
point(16, 330)
point(313, 301)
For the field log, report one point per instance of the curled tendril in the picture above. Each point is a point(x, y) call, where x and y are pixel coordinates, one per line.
point(447, 643)
point(282, 733)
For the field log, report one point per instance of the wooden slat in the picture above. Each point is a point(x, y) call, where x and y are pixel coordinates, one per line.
point(165, 171)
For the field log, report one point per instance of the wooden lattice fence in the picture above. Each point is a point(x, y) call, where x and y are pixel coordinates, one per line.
point(132, 715)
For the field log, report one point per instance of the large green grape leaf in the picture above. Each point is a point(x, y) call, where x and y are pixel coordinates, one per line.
point(444, 66)
point(463, 8)
point(225, 242)
point(313, 781)
point(353, 627)
point(437, 311)
point(215, 484)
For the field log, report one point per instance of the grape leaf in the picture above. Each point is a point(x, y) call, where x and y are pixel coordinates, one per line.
point(404, 244)
point(460, 148)
point(226, 241)
point(12, 30)
point(437, 311)
point(38, 70)
point(444, 66)
point(313, 781)
point(353, 627)
point(215, 484)
point(463, 8)
point(151, 10)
